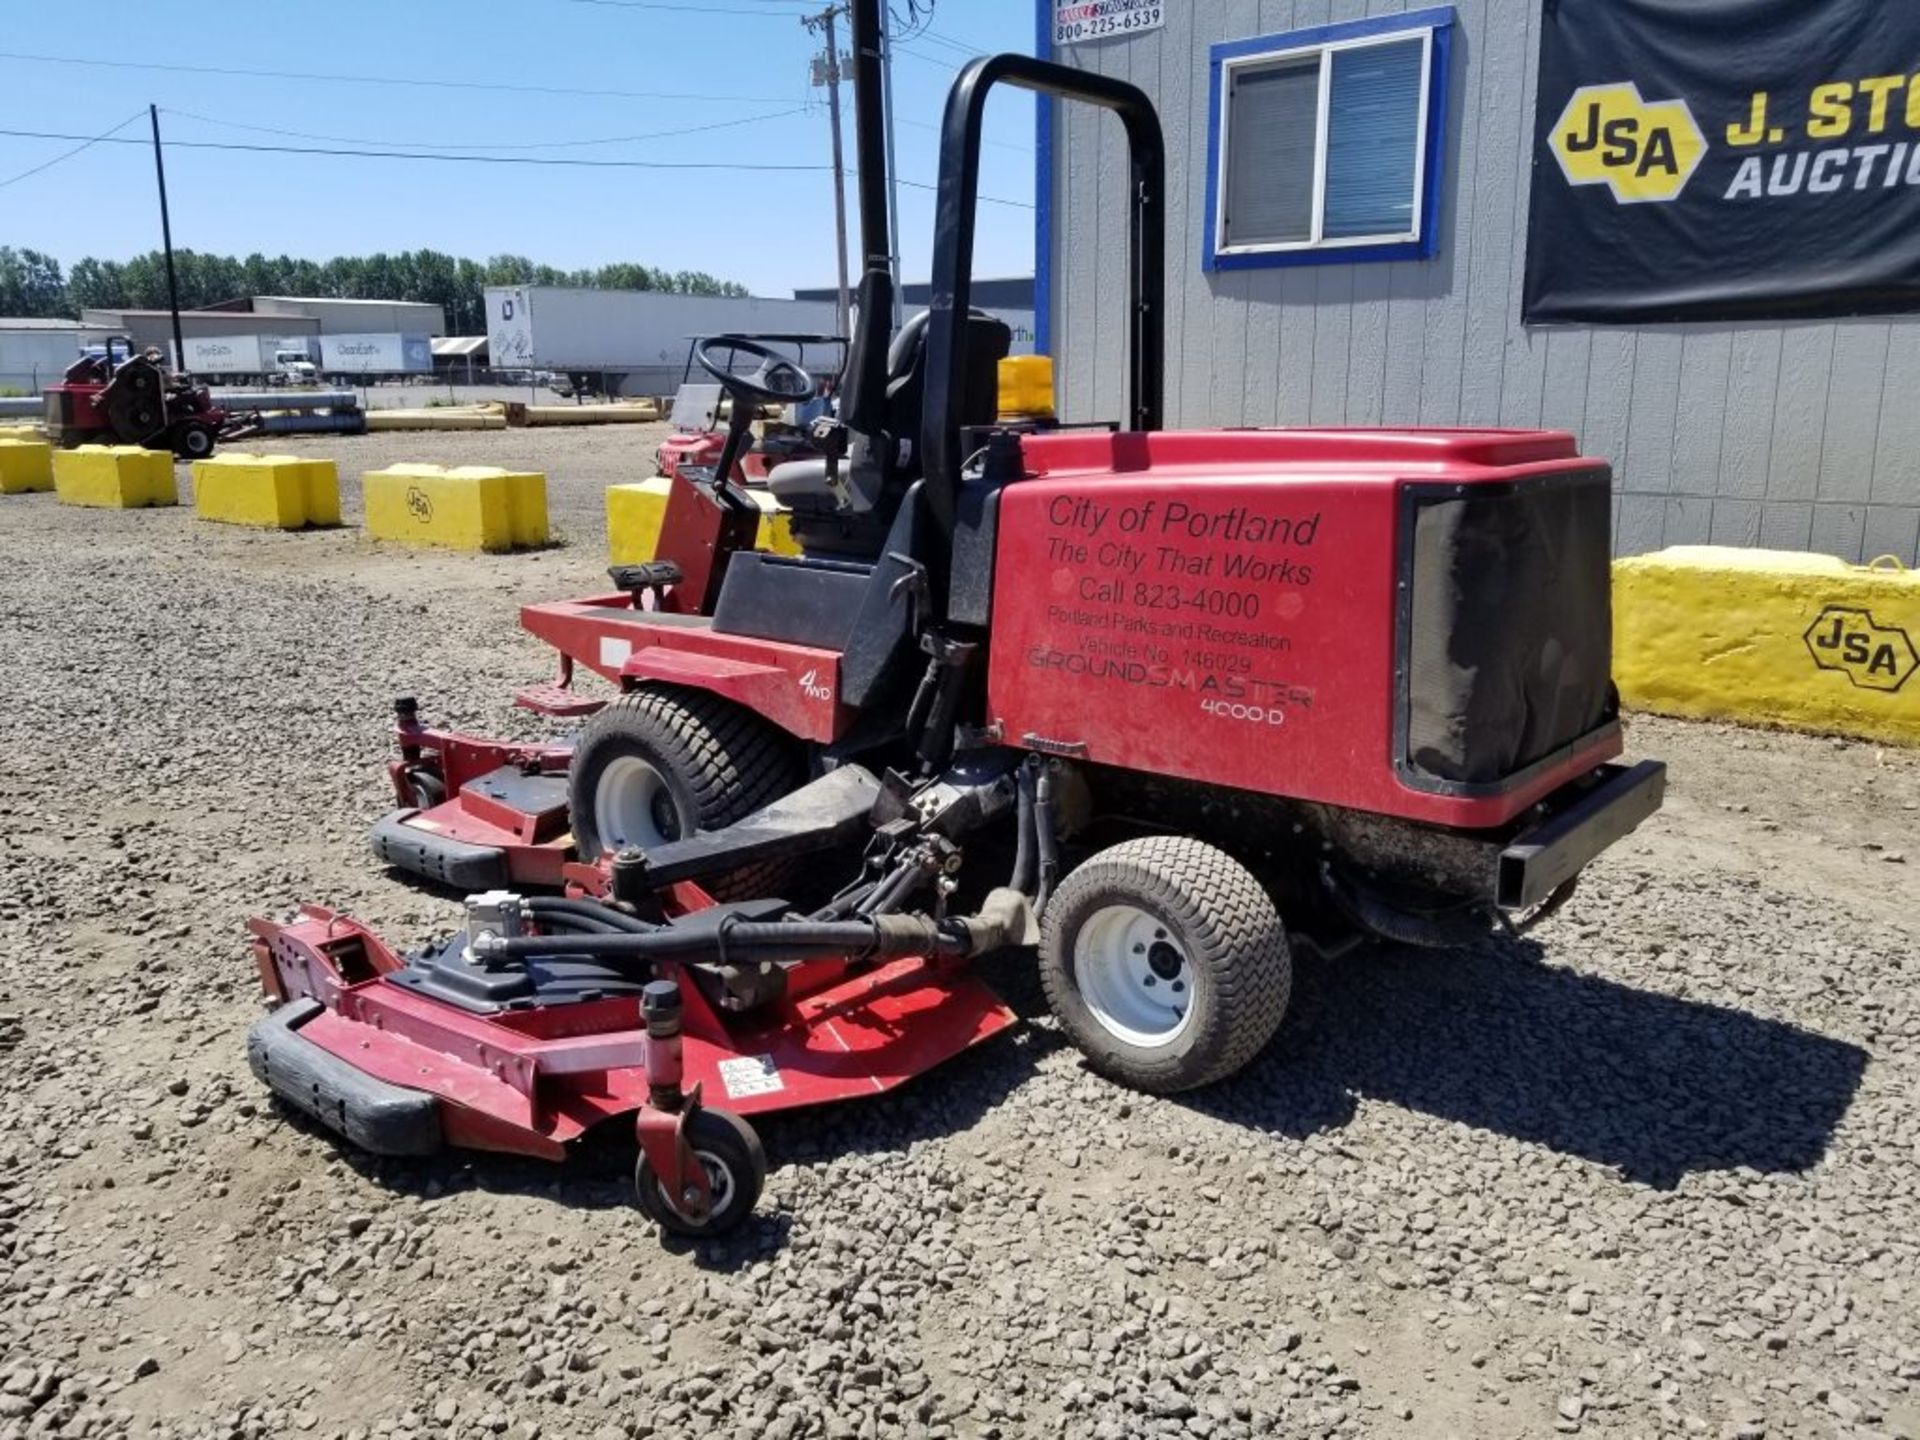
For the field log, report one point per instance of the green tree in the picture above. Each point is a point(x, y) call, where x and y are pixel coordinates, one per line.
point(31, 284)
point(97, 284)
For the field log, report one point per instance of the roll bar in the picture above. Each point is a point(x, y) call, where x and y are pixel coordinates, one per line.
point(953, 251)
point(863, 399)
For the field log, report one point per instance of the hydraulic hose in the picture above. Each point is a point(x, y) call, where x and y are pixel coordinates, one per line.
point(1023, 826)
point(579, 925)
point(1044, 838)
point(546, 907)
point(891, 891)
point(1001, 921)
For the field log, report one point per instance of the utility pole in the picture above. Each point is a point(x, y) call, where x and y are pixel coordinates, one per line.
point(831, 78)
point(893, 172)
point(166, 240)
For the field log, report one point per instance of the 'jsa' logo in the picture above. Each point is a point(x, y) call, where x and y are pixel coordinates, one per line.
point(1639, 150)
point(1871, 655)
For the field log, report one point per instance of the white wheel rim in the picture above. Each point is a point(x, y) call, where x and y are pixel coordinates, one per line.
point(719, 1184)
point(1134, 975)
point(625, 804)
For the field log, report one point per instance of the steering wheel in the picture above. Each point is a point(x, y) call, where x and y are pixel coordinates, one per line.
point(776, 379)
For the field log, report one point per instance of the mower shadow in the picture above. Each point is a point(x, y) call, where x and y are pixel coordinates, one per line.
point(939, 1103)
point(597, 1175)
point(1655, 1086)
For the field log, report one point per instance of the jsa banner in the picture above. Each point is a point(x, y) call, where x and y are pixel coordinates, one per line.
point(1725, 160)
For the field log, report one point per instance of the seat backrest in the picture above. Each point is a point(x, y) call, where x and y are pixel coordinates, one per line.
point(879, 468)
point(988, 341)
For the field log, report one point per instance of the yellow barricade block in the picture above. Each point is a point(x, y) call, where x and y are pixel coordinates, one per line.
point(467, 507)
point(23, 432)
point(114, 477)
point(635, 512)
point(1770, 636)
point(276, 492)
point(25, 465)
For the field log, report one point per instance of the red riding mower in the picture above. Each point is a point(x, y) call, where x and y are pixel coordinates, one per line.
point(1163, 703)
point(127, 397)
point(698, 438)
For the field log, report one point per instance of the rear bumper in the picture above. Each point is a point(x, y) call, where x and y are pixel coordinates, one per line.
point(1541, 859)
point(378, 1117)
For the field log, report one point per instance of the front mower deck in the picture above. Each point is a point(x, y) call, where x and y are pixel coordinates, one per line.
point(527, 1079)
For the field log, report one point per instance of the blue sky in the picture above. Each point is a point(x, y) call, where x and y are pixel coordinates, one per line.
point(770, 230)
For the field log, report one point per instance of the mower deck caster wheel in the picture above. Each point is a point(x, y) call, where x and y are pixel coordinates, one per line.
point(736, 1167)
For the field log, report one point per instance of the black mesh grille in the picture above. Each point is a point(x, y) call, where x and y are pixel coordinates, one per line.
point(1508, 627)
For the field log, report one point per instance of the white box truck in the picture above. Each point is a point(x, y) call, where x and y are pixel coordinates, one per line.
point(359, 357)
point(634, 342)
point(225, 356)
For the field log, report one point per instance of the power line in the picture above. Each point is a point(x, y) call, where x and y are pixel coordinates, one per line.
point(691, 9)
point(408, 81)
point(958, 46)
point(491, 145)
point(983, 199)
point(561, 160)
point(69, 154)
point(361, 153)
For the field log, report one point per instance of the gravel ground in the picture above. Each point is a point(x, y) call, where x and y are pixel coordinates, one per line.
point(1654, 1174)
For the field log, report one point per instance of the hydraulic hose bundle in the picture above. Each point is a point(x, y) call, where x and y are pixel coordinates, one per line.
point(583, 927)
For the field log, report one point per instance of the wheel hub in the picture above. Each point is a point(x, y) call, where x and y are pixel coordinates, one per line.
point(1132, 973)
point(632, 805)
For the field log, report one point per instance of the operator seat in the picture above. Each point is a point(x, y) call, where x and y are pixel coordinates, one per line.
point(852, 522)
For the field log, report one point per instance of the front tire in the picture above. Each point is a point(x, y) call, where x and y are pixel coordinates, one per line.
point(1166, 963)
point(660, 763)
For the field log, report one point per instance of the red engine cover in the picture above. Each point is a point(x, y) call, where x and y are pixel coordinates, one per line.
point(1222, 606)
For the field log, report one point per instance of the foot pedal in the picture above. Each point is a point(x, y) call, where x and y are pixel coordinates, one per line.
point(550, 699)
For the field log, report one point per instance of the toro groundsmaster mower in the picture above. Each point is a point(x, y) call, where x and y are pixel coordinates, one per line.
point(123, 396)
point(1164, 705)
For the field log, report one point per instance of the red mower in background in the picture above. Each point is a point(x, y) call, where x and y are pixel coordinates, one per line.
point(1166, 705)
point(121, 396)
point(699, 437)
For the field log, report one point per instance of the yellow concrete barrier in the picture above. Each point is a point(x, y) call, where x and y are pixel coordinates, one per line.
point(468, 507)
point(275, 492)
point(474, 418)
point(25, 465)
point(632, 413)
point(635, 512)
point(114, 477)
point(1769, 636)
point(23, 432)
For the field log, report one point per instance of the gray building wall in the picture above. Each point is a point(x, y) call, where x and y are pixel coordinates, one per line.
point(1803, 435)
point(356, 317)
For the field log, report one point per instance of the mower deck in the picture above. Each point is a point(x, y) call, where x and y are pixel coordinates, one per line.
point(528, 1080)
point(504, 827)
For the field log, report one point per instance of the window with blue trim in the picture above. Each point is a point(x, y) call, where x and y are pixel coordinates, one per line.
point(1326, 143)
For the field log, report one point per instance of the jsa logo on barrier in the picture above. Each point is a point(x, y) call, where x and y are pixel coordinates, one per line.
point(1640, 150)
point(1871, 655)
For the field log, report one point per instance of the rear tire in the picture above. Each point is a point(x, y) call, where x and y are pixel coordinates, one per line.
point(660, 763)
point(1166, 963)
